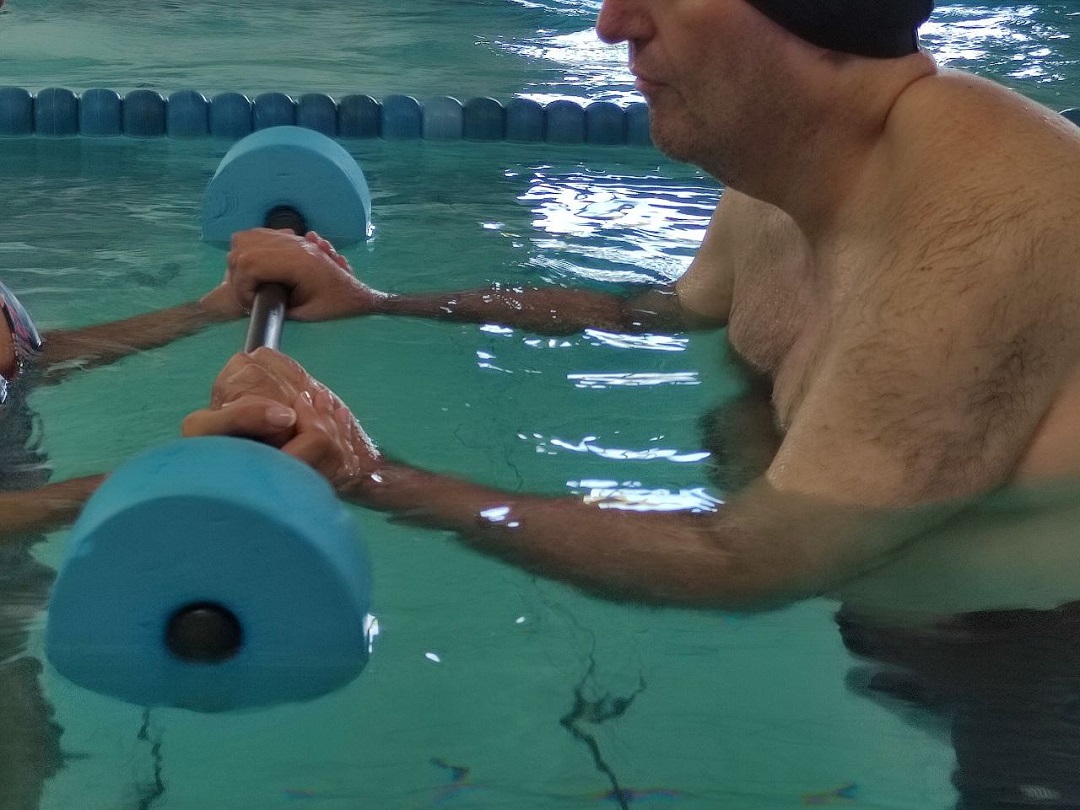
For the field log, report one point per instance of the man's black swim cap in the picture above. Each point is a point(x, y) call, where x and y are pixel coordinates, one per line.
point(877, 28)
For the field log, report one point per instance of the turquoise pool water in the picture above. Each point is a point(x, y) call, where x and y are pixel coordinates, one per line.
point(544, 49)
point(488, 688)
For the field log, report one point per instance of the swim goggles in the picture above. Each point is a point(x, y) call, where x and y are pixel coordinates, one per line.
point(24, 337)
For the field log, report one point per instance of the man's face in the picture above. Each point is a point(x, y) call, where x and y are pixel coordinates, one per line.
point(703, 66)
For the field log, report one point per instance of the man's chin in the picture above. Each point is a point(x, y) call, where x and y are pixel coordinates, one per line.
point(675, 148)
point(668, 131)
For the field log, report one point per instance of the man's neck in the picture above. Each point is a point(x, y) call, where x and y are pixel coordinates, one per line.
point(816, 158)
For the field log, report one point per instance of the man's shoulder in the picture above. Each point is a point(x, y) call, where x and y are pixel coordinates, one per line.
point(952, 110)
point(962, 92)
point(976, 199)
point(963, 152)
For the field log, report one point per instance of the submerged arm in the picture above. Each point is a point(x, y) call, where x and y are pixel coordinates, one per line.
point(700, 299)
point(761, 549)
point(50, 507)
point(550, 311)
point(324, 287)
point(66, 350)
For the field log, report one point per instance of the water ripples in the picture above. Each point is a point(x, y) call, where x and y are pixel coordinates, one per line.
point(616, 228)
point(1033, 44)
point(552, 445)
point(1030, 46)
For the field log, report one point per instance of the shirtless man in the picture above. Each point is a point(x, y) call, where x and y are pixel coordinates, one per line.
point(895, 251)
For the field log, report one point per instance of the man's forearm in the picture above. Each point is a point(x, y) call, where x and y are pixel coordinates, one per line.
point(711, 560)
point(549, 311)
point(108, 342)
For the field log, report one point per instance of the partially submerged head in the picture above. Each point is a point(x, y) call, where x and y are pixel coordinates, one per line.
point(20, 341)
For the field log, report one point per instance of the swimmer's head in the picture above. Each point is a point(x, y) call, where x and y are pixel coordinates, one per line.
point(877, 28)
point(20, 342)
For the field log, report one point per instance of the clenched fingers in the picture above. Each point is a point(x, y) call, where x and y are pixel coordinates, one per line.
point(251, 417)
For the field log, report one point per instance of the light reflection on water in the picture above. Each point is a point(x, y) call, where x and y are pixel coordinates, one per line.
point(627, 379)
point(595, 67)
point(617, 228)
point(609, 495)
point(1027, 42)
point(552, 445)
point(540, 49)
point(1034, 47)
point(659, 343)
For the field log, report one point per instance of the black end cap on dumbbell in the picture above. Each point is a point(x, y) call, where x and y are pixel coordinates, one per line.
point(204, 633)
point(284, 216)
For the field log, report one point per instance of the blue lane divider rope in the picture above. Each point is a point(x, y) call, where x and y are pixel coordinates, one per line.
point(99, 112)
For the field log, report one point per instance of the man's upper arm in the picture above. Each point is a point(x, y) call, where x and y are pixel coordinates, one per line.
point(924, 394)
point(935, 374)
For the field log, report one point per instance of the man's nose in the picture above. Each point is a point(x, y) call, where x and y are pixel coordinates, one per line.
point(620, 21)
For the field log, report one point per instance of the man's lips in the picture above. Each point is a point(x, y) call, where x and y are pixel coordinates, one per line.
point(642, 80)
point(645, 85)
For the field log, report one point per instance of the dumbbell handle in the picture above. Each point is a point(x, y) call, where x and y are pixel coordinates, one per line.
point(203, 632)
point(267, 315)
point(268, 310)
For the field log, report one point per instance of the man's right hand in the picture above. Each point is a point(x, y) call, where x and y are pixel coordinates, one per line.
point(321, 281)
point(267, 396)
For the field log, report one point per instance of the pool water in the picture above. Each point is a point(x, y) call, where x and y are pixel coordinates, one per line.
point(542, 49)
point(476, 663)
point(488, 688)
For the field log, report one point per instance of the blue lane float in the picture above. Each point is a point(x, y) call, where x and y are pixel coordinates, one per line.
point(525, 121)
point(443, 119)
point(231, 116)
point(605, 124)
point(564, 122)
point(317, 111)
point(402, 118)
point(274, 110)
point(187, 115)
point(101, 112)
point(56, 112)
point(218, 574)
point(485, 120)
point(16, 111)
point(359, 117)
point(143, 113)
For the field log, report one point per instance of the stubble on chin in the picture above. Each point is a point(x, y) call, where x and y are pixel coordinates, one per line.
point(671, 137)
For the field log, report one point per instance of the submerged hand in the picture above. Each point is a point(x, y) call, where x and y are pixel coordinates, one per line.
point(322, 284)
point(271, 398)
